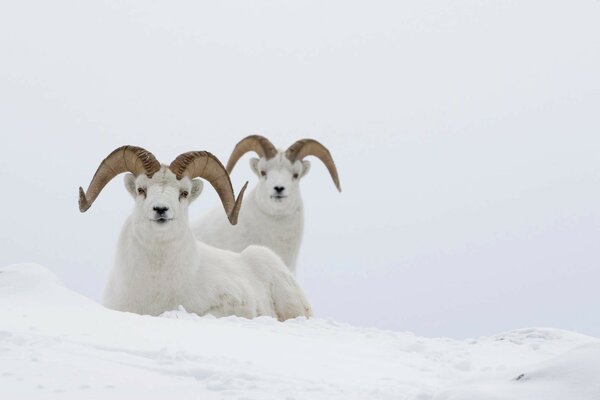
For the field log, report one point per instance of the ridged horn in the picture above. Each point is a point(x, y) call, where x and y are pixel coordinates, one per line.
point(202, 164)
point(124, 159)
point(256, 143)
point(310, 147)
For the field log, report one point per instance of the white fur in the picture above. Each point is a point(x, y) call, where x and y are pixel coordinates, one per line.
point(160, 266)
point(263, 220)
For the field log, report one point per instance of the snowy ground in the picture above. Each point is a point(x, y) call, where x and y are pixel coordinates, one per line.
point(55, 343)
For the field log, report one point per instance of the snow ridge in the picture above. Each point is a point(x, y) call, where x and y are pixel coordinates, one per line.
point(55, 343)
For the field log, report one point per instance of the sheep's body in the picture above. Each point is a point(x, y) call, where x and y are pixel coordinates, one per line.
point(159, 264)
point(153, 277)
point(280, 233)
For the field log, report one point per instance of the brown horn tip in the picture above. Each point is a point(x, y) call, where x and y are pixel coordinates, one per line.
point(233, 216)
point(84, 205)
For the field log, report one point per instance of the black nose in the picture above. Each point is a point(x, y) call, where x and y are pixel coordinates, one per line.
point(160, 210)
point(279, 189)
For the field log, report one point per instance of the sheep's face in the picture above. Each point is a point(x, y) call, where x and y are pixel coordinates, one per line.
point(162, 202)
point(278, 190)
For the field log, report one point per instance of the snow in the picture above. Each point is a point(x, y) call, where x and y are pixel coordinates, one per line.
point(56, 343)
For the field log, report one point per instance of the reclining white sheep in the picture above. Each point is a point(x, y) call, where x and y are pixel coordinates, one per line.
point(272, 214)
point(160, 265)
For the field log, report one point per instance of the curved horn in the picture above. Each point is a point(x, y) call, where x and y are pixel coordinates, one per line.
point(256, 143)
point(202, 164)
point(310, 147)
point(124, 159)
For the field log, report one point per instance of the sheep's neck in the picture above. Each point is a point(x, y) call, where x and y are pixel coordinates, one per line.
point(283, 234)
point(168, 255)
point(290, 217)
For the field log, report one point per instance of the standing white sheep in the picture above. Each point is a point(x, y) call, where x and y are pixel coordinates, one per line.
point(160, 265)
point(272, 214)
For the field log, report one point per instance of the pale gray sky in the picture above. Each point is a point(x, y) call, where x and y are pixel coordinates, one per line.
point(467, 136)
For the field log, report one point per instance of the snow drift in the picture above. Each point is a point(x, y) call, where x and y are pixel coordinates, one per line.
point(55, 343)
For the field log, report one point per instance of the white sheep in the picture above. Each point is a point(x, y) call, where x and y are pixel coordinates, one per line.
point(159, 264)
point(272, 214)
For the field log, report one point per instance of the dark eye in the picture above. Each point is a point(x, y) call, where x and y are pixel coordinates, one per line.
point(296, 176)
point(184, 194)
point(263, 173)
point(141, 191)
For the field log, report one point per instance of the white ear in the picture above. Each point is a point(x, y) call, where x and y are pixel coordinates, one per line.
point(197, 186)
point(254, 166)
point(305, 168)
point(130, 185)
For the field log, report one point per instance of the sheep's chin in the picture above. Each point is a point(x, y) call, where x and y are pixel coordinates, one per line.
point(278, 199)
point(161, 221)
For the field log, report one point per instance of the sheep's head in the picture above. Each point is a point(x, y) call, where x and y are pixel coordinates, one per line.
point(162, 201)
point(162, 193)
point(279, 172)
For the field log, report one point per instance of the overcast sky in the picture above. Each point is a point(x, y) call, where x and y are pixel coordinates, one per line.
point(466, 134)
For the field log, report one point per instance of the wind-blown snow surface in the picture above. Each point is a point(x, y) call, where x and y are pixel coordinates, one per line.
point(55, 343)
